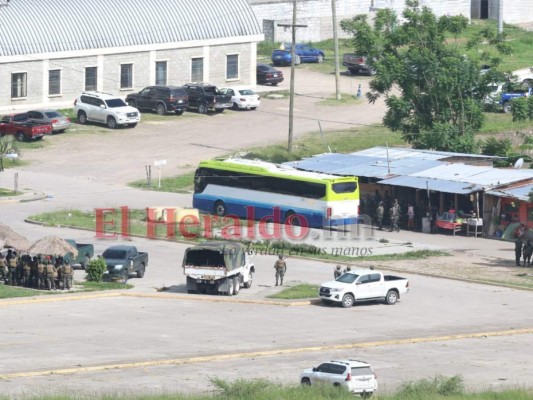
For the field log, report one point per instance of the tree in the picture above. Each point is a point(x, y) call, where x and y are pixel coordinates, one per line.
point(434, 93)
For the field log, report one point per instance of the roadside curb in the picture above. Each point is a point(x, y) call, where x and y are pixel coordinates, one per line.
point(29, 195)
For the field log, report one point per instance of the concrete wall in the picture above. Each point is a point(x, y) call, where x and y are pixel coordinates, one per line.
point(514, 11)
point(316, 14)
point(73, 72)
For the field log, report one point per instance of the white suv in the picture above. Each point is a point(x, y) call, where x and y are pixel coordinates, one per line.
point(356, 376)
point(105, 108)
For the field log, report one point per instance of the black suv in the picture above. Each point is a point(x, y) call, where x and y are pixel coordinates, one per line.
point(204, 97)
point(162, 99)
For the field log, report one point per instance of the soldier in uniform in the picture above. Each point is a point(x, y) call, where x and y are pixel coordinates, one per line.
point(528, 252)
point(281, 267)
point(67, 273)
point(337, 271)
point(380, 210)
point(3, 268)
point(348, 269)
point(26, 271)
point(50, 271)
point(41, 274)
point(11, 260)
point(34, 272)
point(518, 250)
point(395, 216)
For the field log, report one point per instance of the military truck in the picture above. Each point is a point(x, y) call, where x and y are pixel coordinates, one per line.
point(217, 267)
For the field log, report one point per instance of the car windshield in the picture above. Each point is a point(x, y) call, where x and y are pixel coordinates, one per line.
point(246, 92)
point(115, 254)
point(347, 278)
point(362, 371)
point(52, 114)
point(114, 103)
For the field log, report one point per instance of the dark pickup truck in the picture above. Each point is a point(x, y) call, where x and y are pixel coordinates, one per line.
point(122, 261)
point(356, 64)
point(85, 253)
point(23, 128)
point(205, 97)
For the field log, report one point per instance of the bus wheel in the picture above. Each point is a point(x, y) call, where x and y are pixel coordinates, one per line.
point(290, 219)
point(220, 208)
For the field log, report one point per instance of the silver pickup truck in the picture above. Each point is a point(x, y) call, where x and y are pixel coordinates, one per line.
point(356, 64)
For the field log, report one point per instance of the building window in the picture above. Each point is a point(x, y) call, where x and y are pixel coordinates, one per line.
point(54, 82)
point(197, 70)
point(90, 78)
point(18, 85)
point(161, 73)
point(126, 76)
point(232, 66)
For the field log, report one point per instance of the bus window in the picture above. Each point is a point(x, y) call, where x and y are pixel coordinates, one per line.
point(344, 187)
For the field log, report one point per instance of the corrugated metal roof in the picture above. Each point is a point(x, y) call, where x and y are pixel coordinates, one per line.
point(363, 166)
point(399, 152)
point(34, 26)
point(520, 193)
point(484, 176)
point(439, 185)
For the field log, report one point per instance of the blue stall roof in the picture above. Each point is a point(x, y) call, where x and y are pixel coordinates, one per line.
point(520, 193)
point(439, 185)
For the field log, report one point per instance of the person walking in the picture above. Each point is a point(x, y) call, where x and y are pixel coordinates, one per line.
point(281, 267)
point(518, 250)
point(337, 271)
point(380, 210)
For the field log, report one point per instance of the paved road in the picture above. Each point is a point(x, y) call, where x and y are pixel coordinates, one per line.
point(160, 332)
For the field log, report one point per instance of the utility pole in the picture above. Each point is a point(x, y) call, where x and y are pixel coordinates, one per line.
point(293, 27)
point(336, 49)
point(500, 16)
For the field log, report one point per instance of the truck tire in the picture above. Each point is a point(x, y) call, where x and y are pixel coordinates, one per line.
point(140, 272)
point(230, 287)
point(160, 109)
point(220, 208)
point(236, 285)
point(20, 136)
point(506, 107)
point(347, 300)
point(248, 284)
point(306, 382)
point(392, 297)
point(111, 122)
point(82, 117)
point(202, 109)
point(320, 59)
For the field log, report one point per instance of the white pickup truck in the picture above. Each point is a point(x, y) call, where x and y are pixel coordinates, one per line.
point(217, 267)
point(364, 284)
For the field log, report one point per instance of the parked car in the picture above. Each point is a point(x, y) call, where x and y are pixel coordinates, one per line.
point(501, 96)
point(106, 109)
point(20, 126)
point(361, 285)
point(205, 97)
point(356, 376)
point(268, 75)
point(122, 261)
point(245, 99)
point(303, 52)
point(59, 122)
point(161, 99)
point(356, 64)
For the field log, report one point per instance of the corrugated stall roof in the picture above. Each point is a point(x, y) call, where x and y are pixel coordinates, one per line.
point(439, 185)
point(399, 152)
point(486, 177)
point(520, 193)
point(363, 166)
point(34, 26)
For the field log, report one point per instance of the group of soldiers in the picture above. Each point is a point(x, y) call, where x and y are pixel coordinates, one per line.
point(38, 272)
point(523, 248)
point(394, 213)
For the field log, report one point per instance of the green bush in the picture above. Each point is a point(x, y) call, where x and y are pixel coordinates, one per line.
point(440, 385)
point(95, 270)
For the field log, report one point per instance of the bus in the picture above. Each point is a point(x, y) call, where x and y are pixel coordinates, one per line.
point(252, 189)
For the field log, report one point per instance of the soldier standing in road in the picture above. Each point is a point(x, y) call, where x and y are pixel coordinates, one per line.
point(337, 271)
point(518, 250)
point(380, 210)
point(281, 267)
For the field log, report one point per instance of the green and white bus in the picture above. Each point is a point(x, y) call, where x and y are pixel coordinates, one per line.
point(251, 189)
